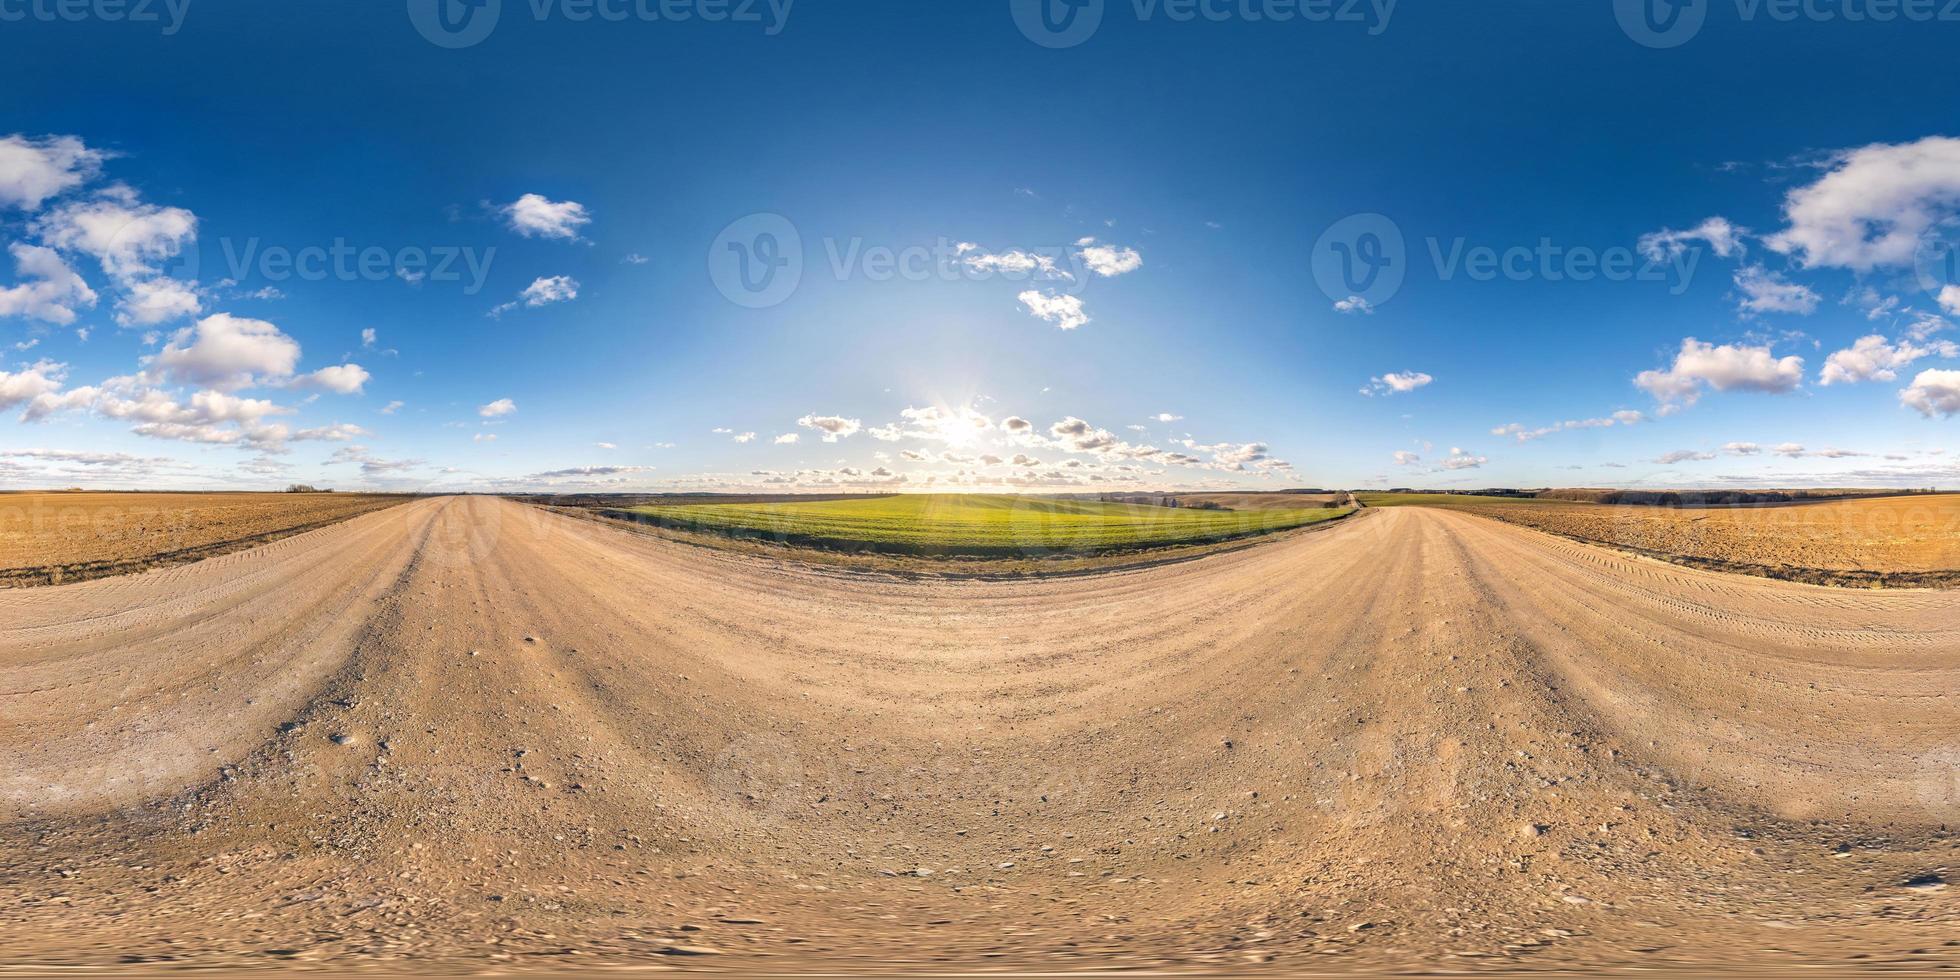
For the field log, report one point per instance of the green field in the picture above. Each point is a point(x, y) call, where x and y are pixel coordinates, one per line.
point(976, 525)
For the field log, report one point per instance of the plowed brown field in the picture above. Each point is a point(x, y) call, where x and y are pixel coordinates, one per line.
point(48, 538)
point(1897, 541)
point(465, 734)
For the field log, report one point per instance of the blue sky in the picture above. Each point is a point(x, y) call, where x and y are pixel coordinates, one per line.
point(1116, 252)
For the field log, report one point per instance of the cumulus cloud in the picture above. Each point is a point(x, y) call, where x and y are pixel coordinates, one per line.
point(127, 236)
point(226, 353)
point(1110, 260)
point(1060, 309)
point(542, 291)
point(1741, 448)
point(1933, 394)
point(833, 427)
point(1013, 262)
point(1873, 358)
point(744, 437)
point(1728, 367)
point(1404, 457)
point(1722, 237)
point(788, 439)
point(1873, 206)
point(40, 379)
point(497, 409)
point(49, 290)
point(550, 289)
point(343, 379)
point(1460, 459)
point(148, 302)
point(33, 170)
point(1764, 291)
point(536, 216)
point(1396, 383)
point(1353, 304)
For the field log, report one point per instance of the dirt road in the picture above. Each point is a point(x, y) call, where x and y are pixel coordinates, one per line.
point(464, 729)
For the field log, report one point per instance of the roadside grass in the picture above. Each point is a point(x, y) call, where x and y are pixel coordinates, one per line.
point(975, 525)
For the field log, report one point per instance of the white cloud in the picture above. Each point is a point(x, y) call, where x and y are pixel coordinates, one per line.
point(1527, 435)
point(1404, 457)
point(391, 408)
point(149, 302)
point(498, 409)
point(337, 432)
point(49, 290)
point(1873, 358)
point(1723, 238)
point(1168, 417)
point(1741, 448)
point(1396, 383)
point(1933, 393)
point(1791, 449)
point(787, 439)
point(1874, 205)
point(227, 353)
point(745, 437)
point(368, 338)
point(1950, 298)
point(484, 437)
point(1012, 262)
point(550, 289)
point(536, 216)
point(833, 427)
point(1462, 460)
point(126, 235)
point(1684, 456)
point(1353, 304)
point(606, 445)
point(1062, 310)
point(1729, 367)
point(1766, 292)
point(343, 379)
point(33, 170)
point(1110, 260)
point(41, 379)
